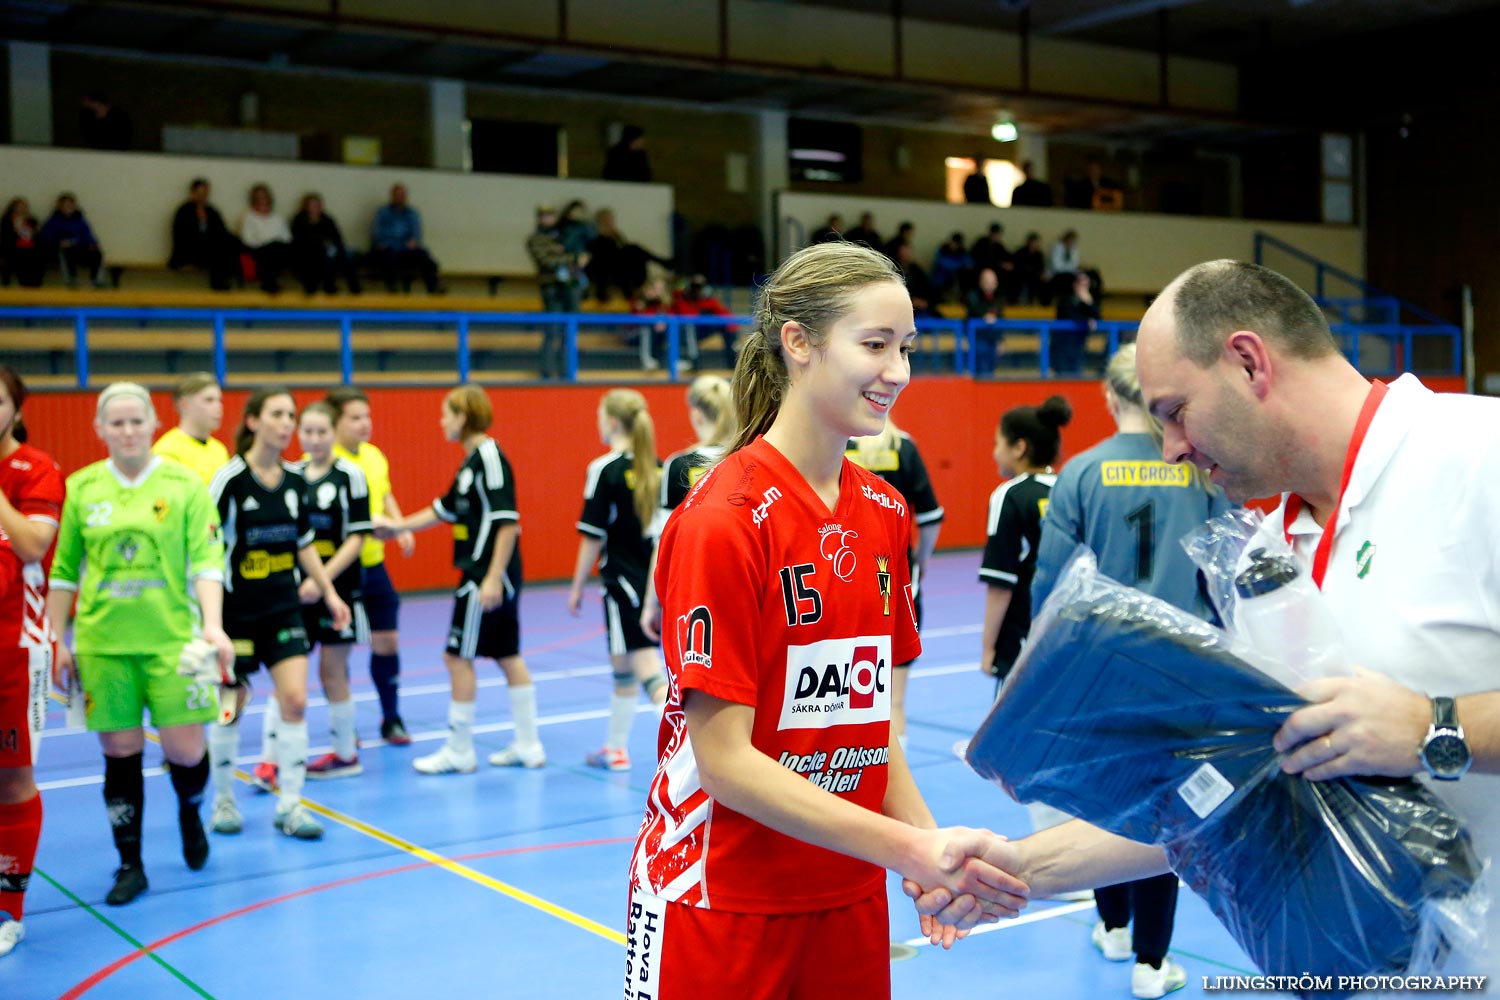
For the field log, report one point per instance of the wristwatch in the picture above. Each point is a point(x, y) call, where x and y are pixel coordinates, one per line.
point(1445, 753)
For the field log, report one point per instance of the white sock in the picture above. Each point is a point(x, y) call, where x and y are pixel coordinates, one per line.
point(902, 740)
point(223, 746)
point(461, 726)
point(341, 728)
point(621, 715)
point(268, 726)
point(523, 711)
point(291, 749)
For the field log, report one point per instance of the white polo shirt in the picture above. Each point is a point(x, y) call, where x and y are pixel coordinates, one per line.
point(1413, 578)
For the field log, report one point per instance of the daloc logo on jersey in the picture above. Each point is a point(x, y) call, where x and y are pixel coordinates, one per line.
point(837, 682)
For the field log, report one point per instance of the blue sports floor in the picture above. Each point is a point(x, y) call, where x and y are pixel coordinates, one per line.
point(501, 883)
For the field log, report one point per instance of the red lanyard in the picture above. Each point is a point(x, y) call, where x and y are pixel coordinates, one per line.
point(1294, 502)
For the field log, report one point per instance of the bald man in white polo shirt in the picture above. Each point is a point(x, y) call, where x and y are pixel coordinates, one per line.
point(1242, 370)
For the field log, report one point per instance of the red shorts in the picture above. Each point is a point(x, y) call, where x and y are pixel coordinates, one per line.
point(674, 952)
point(25, 678)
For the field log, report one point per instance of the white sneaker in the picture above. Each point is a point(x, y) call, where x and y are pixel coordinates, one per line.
point(226, 816)
point(1148, 983)
point(447, 761)
point(517, 755)
point(1114, 945)
point(11, 933)
point(297, 822)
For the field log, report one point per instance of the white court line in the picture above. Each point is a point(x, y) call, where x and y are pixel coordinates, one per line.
point(318, 701)
point(545, 676)
point(1005, 925)
point(439, 734)
point(436, 734)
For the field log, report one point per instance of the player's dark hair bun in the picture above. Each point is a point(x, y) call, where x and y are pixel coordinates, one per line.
point(1055, 412)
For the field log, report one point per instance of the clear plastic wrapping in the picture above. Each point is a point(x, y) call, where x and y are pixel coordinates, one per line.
point(1141, 719)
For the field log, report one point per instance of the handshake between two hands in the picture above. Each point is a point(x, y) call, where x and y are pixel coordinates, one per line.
point(960, 878)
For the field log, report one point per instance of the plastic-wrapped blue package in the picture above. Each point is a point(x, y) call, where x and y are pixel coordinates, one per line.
point(1134, 716)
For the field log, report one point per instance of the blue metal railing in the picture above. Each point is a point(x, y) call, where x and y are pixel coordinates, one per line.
point(1369, 297)
point(969, 341)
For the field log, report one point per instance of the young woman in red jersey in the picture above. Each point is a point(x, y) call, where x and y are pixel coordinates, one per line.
point(786, 604)
point(31, 499)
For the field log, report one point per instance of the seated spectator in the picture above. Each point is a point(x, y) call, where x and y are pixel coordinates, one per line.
point(697, 299)
point(319, 256)
point(832, 231)
point(101, 125)
point(68, 239)
point(557, 273)
point(626, 159)
point(616, 263)
point(904, 236)
point(989, 251)
point(267, 239)
point(1031, 192)
point(918, 285)
point(977, 185)
point(21, 245)
point(1029, 284)
point(1094, 190)
point(652, 300)
point(396, 250)
point(952, 268)
point(865, 233)
point(200, 239)
point(577, 232)
point(1078, 305)
point(1064, 262)
point(986, 304)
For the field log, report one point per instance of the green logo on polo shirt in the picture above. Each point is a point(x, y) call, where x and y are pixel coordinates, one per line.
point(1363, 558)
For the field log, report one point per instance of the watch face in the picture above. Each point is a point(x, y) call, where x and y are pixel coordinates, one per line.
point(1446, 754)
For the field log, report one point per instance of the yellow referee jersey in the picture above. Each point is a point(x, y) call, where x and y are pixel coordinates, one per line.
point(204, 457)
point(377, 470)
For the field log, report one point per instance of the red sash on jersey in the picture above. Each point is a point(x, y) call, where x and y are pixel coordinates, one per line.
point(1294, 502)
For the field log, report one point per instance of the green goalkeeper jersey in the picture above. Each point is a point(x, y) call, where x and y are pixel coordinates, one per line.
point(131, 550)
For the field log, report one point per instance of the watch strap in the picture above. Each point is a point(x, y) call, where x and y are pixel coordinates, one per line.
point(1444, 713)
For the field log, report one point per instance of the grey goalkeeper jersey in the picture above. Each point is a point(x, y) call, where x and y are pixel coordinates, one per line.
point(1131, 509)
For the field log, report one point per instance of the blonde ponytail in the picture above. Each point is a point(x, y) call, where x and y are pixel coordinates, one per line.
point(629, 408)
point(710, 395)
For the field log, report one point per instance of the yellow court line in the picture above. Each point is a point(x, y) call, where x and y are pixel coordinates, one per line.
point(452, 867)
point(464, 871)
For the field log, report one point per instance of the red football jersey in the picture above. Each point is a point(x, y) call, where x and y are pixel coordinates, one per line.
point(33, 484)
point(770, 600)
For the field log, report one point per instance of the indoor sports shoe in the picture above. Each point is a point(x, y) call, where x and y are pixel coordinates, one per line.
point(447, 761)
point(609, 758)
point(1115, 945)
point(194, 840)
point(130, 882)
point(393, 731)
point(517, 755)
point(1148, 983)
point(11, 933)
point(298, 822)
point(226, 817)
point(264, 776)
point(333, 766)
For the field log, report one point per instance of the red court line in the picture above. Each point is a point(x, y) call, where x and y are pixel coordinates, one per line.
point(120, 963)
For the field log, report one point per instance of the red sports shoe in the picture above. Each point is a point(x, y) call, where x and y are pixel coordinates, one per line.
point(264, 776)
point(332, 766)
point(609, 758)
